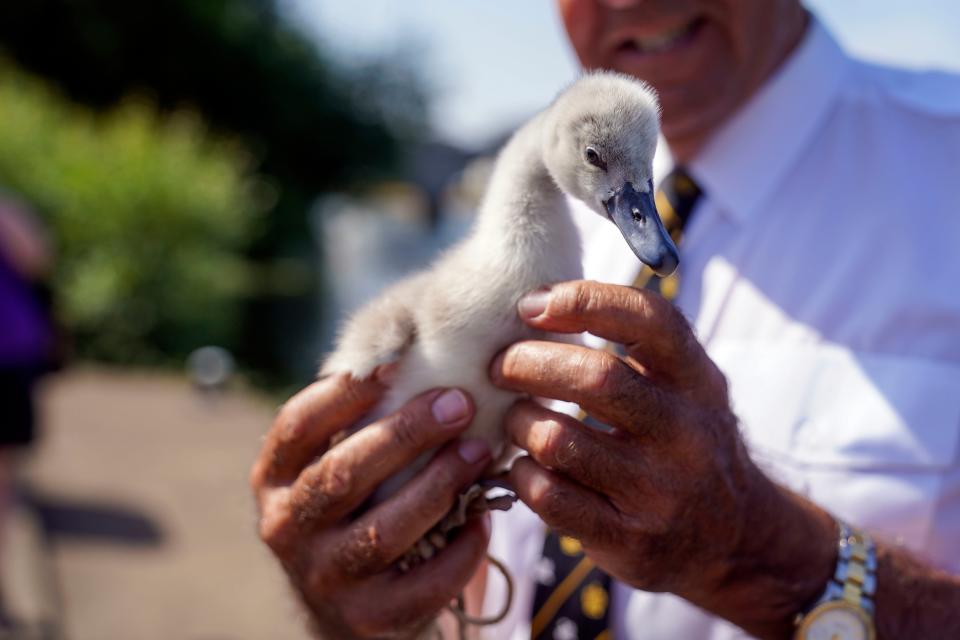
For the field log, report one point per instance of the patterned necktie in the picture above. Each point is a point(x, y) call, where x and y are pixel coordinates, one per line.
point(573, 596)
point(676, 198)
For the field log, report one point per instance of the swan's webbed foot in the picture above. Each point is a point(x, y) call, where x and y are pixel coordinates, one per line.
point(472, 502)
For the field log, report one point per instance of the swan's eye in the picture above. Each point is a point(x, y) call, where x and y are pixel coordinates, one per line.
point(590, 155)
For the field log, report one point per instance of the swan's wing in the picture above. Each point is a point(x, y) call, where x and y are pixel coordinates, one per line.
point(379, 333)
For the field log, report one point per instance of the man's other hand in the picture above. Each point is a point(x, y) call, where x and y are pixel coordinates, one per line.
point(308, 488)
point(669, 500)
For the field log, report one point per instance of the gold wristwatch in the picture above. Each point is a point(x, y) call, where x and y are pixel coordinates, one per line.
point(845, 610)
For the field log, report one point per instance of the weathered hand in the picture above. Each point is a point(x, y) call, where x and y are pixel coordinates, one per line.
point(307, 488)
point(669, 500)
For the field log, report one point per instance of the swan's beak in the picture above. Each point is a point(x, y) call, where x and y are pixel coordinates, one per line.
point(635, 214)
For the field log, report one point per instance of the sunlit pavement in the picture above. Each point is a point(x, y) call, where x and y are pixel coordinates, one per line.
point(138, 495)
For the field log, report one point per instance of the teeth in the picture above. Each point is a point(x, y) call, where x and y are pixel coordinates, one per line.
point(661, 42)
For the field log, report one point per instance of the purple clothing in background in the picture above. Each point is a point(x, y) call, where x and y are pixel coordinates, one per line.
point(25, 333)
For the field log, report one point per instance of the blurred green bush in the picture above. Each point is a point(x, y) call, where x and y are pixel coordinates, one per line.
point(315, 123)
point(152, 215)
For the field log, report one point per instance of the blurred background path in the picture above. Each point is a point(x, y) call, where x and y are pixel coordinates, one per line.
point(138, 517)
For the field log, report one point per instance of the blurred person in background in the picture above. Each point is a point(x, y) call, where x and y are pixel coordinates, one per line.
point(819, 270)
point(26, 340)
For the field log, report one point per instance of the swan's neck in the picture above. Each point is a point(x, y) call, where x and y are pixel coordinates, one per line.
point(524, 211)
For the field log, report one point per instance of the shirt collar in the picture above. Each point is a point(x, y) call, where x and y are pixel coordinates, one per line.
point(746, 160)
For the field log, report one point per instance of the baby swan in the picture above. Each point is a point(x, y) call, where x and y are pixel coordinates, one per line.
point(443, 326)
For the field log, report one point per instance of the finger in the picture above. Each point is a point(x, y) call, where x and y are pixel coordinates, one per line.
point(447, 573)
point(563, 444)
point(566, 507)
point(419, 595)
point(381, 536)
point(601, 383)
point(306, 423)
point(650, 328)
point(348, 473)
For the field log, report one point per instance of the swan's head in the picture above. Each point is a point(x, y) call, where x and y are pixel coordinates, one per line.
point(600, 137)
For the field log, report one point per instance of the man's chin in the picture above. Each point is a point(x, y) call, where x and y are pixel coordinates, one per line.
point(688, 126)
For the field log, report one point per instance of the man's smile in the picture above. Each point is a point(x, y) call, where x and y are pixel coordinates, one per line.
point(662, 41)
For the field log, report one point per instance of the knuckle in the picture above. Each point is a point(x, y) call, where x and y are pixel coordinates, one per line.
point(570, 513)
point(513, 360)
point(405, 430)
point(646, 304)
point(438, 488)
point(348, 389)
point(568, 457)
point(516, 418)
point(579, 298)
point(362, 552)
point(336, 480)
point(257, 478)
point(274, 531)
point(319, 495)
point(666, 410)
point(652, 414)
point(446, 479)
point(599, 373)
point(289, 425)
point(285, 413)
point(553, 443)
point(549, 501)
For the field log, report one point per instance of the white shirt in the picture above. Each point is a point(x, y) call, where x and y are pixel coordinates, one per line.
point(821, 271)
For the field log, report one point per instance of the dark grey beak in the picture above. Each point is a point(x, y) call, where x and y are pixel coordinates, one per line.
point(635, 214)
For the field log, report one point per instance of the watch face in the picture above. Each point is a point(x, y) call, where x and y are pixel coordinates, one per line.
point(836, 622)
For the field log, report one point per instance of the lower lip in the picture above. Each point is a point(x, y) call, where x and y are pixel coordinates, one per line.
point(629, 56)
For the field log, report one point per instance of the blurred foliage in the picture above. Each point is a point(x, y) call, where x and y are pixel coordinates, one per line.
point(312, 124)
point(151, 214)
point(240, 63)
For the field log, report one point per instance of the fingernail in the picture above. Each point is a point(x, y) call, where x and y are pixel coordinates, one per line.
point(473, 450)
point(487, 524)
point(534, 303)
point(450, 406)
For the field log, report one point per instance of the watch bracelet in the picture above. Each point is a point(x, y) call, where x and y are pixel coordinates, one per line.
point(854, 579)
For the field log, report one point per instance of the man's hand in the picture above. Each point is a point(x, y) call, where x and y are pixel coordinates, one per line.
point(307, 490)
point(669, 500)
